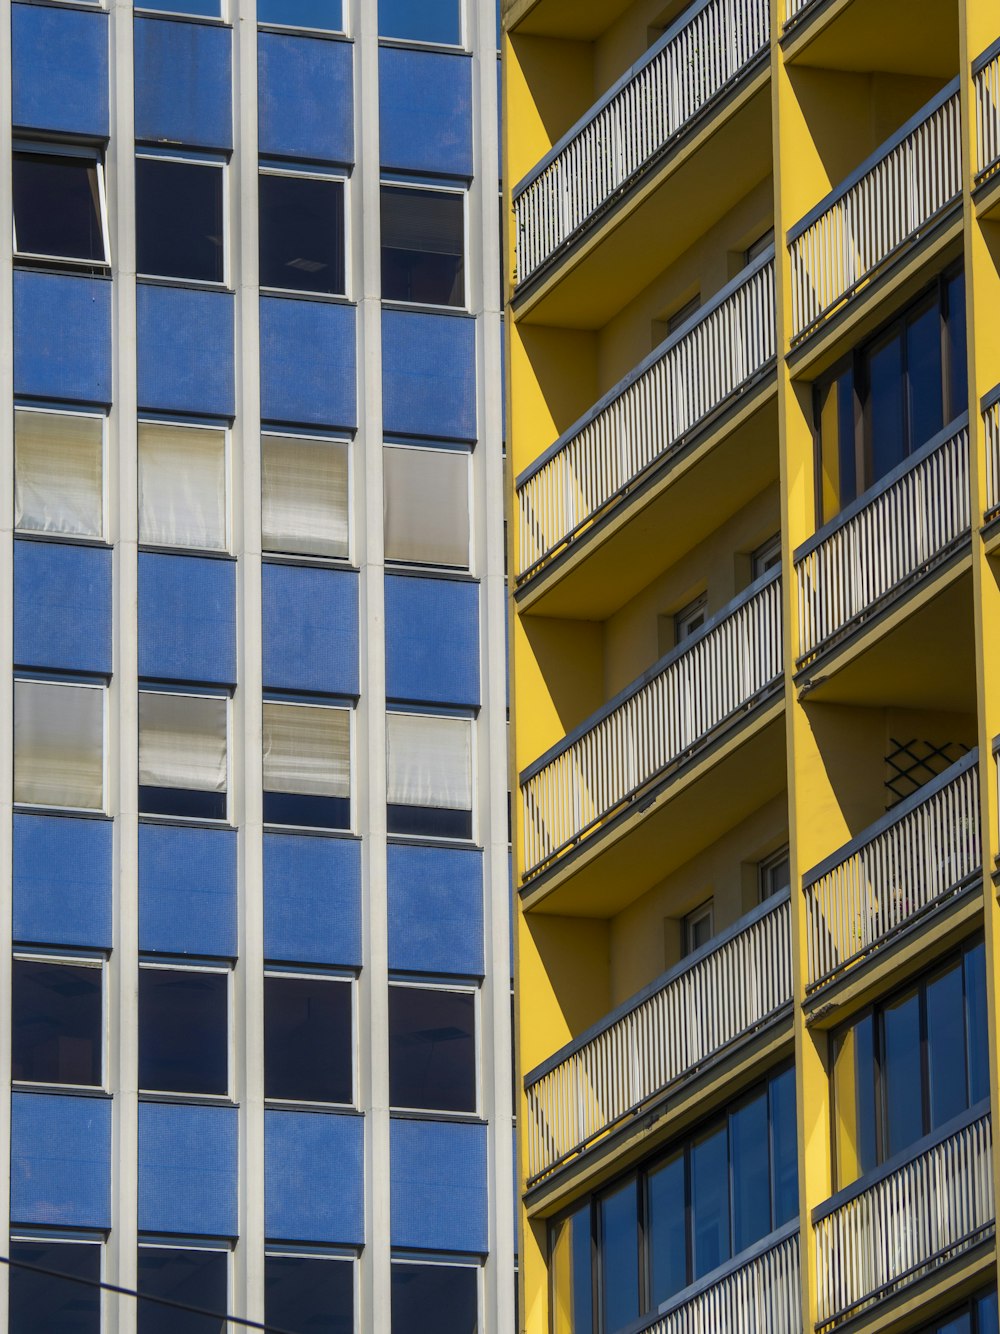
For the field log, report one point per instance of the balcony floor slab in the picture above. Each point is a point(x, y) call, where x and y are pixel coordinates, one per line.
point(914, 37)
point(575, 20)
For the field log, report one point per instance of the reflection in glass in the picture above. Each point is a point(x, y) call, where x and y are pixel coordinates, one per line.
point(946, 1046)
point(748, 1133)
point(709, 1202)
point(923, 373)
point(423, 246)
point(885, 407)
point(977, 1042)
point(572, 1278)
point(620, 1257)
point(429, 21)
point(901, 1078)
point(667, 1223)
point(784, 1141)
point(854, 1101)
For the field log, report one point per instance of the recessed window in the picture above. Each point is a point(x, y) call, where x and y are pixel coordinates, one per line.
point(182, 486)
point(450, 1291)
point(183, 755)
point(767, 557)
point(309, 1293)
point(432, 1049)
point(423, 246)
point(57, 1022)
point(774, 874)
point(59, 208)
point(302, 245)
point(319, 15)
point(175, 1004)
point(58, 473)
point(690, 619)
point(59, 745)
point(429, 21)
point(429, 775)
point(63, 1300)
point(184, 1276)
point(763, 243)
point(699, 927)
point(682, 314)
point(304, 496)
point(307, 765)
point(308, 1038)
point(426, 506)
point(179, 219)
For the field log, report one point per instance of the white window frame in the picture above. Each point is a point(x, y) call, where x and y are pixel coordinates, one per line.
point(766, 557)
point(67, 150)
point(443, 189)
point(461, 45)
point(349, 980)
point(683, 313)
point(310, 1252)
point(215, 162)
point(683, 618)
point(758, 247)
point(102, 686)
point(704, 912)
point(446, 1262)
point(269, 25)
point(145, 419)
point(431, 565)
point(764, 868)
point(167, 965)
point(70, 411)
point(465, 989)
point(312, 174)
point(227, 820)
point(300, 557)
point(472, 719)
point(342, 707)
point(72, 1238)
point(76, 961)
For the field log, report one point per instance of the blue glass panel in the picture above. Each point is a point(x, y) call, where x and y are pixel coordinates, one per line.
point(784, 1149)
point(924, 375)
point(620, 1257)
point(709, 1202)
point(183, 83)
point(189, 1277)
point(174, 1004)
point(59, 70)
point(986, 1314)
point(977, 1055)
point(435, 910)
point(310, 1293)
point(946, 1075)
point(748, 1140)
point(667, 1223)
point(450, 1291)
point(885, 406)
point(901, 1075)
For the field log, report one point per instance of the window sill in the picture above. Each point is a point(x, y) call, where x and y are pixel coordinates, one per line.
point(321, 298)
point(70, 812)
point(61, 1090)
point(61, 539)
point(432, 841)
point(452, 1118)
point(456, 573)
point(427, 308)
point(322, 34)
point(189, 1099)
point(183, 821)
point(414, 44)
point(312, 831)
point(201, 553)
point(319, 1108)
point(292, 558)
point(178, 16)
point(186, 284)
point(66, 267)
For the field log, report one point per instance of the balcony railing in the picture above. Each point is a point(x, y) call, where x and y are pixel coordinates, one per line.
point(883, 542)
point(986, 74)
point(634, 123)
point(991, 425)
point(889, 202)
point(719, 996)
point(917, 857)
point(698, 689)
point(793, 8)
point(874, 1239)
point(695, 373)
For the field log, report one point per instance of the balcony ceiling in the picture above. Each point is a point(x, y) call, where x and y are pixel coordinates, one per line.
point(918, 37)
point(578, 20)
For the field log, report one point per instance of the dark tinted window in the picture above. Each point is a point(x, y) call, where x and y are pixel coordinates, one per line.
point(449, 1295)
point(709, 1202)
point(946, 1074)
point(619, 1257)
point(187, 1278)
point(42, 1304)
point(179, 219)
point(432, 1049)
point(423, 246)
point(302, 234)
point(305, 1294)
point(324, 15)
point(308, 1047)
point(57, 207)
point(667, 1212)
point(784, 1152)
point(427, 21)
point(748, 1140)
point(183, 1031)
point(57, 1020)
point(572, 1273)
point(923, 366)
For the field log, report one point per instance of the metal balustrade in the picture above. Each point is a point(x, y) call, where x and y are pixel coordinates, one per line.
point(721, 995)
point(991, 427)
point(793, 8)
point(911, 521)
point(986, 76)
point(911, 1220)
point(887, 203)
point(707, 682)
point(700, 368)
point(633, 124)
point(915, 858)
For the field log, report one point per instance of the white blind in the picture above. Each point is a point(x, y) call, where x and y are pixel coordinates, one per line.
point(426, 502)
point(182, 486)
point(307, 750)
point(58, 745)
point(429, 761)
point(58, 473)
point(182, 741)
point(304, 501)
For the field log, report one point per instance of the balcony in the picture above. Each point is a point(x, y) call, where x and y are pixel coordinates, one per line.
point(880, 546)
point(689, 1019)
point(986, 77)
point(915, 860)
point(634, 125)
point(889, 204)
point(880, 1235)
point(703, 687)
point(991, 426)
point(671, 397)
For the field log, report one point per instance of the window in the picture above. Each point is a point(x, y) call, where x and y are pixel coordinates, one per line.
point(690, 618)
point(431, 21)
point(43, 1303)
point(59, 745)
point(619, 1243)
point(978, 1316)
point(58, 473)
point(182, 486)
point(759, 247)
point(429, 775)
point(451, 1291)
point(59, 207)
point(57, 1022)
point(308, 1039)
point(423, 245)
point(909, 1065)
point(682, 314)
point(187, 1276)
point(774, 874)
point(572, 1278)
point(309, 1292)
point(426, 506)
point(307, 765)
point(302, 242)
point(174, 1004)
point(432, 1049)
point(304, 496)
point(767, 557)
point(183, 755)
point(319, 15)
point(699, 927)
point(179, 219)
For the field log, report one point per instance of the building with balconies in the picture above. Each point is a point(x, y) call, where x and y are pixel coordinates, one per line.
point(752, 260)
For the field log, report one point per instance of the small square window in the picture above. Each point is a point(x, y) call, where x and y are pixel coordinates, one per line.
point(59, 745)
point(429, 775)
point(308, 1039)
point(307, 765)
point(302, 241)
point(438, 21)
point(46, 1302)
point(58, 473)
point(179, 219)
point(305, 504)
point(426, 506)
point(317, 15)
point(309, 1293)
point(432, 1049)
point(767, 557)
point(699, 927)
point(183, 764)
point(185, 1276)
point(683, 314)
point(759, 247)
point(450, 1291)
point(423, 246)
point(57, 1022)
point(59, 208)
point(174, 1005)
point(774, 874)
point(690, 619)
point(182, 487)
